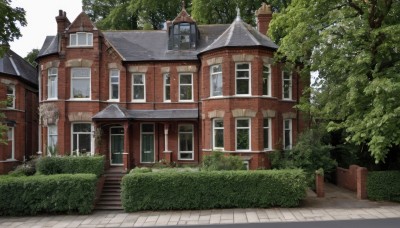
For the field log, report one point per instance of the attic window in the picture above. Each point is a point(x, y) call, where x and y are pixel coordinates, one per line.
point(81, 39)
point(183, 36)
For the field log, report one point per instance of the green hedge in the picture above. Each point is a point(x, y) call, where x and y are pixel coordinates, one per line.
point(30, 195)
point(384, 185)
point(71, 164)
point(214, 189)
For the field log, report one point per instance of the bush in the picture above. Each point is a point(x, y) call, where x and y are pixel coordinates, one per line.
point(71, 164)
point(214, 189)
point(384, 185)
point(218, 161)
point(26, 169)
point(47, 194)
point(140, 170)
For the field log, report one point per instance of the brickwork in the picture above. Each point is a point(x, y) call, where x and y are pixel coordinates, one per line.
point(354, 179)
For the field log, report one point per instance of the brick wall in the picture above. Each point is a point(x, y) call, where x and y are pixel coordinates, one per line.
point(354, 179)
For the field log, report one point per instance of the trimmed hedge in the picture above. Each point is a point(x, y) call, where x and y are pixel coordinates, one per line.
point(71, 165)
point(384, 185)
point(30, 195)
point(214, 189)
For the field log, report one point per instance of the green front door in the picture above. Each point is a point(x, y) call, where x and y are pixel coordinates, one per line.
point(116, 145)
point(147, 143)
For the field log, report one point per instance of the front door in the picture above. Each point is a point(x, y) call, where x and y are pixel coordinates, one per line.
point(116, 145)
point(147, 143)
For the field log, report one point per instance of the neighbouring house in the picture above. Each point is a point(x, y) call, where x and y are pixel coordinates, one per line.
point(138, 97)
point(19, 88)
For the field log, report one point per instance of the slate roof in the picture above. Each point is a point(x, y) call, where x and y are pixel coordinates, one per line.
point(13, 64)
point(141, 45)
point(115, 112)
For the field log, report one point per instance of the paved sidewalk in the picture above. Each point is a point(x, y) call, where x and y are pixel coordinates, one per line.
point(338, 204)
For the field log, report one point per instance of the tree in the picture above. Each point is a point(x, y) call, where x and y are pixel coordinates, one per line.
point(3, 128)
point(10, 18)
point(31, 57)
point(224, 12)
point(354, 46)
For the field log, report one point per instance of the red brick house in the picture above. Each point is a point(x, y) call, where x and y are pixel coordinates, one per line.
point(176, 94)
point(19, 87)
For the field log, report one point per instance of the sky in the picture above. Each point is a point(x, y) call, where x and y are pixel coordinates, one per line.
point(40, 16)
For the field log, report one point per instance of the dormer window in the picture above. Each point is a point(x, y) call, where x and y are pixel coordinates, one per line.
point(183, 36)
point(81, 39)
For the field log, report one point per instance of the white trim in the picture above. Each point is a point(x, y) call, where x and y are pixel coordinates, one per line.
point(269, 134)
point(111, 134)
point(13, 95)
point(77, 79)
point(290, 85)
point(179, 144)
point(249, 129)
point(74, 36)
point(247, 164)
point(92, 149)
point(213, 133)
point(113, 83)
point(12, 142)
point(51, 74)
point(290, 135)
point(165, 86)
point(144, 87)
point(141, 142)
point(249, 78)
point(268, 81)
point(216, 73)
point(53, 134)
point(191, 84)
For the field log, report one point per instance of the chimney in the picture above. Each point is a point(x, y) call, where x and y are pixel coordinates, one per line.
point(62, 21)
point(264, 16)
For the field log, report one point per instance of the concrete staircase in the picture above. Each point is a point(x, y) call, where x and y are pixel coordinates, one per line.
point(110, 198)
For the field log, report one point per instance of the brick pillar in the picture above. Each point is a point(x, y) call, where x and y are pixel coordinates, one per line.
point(362, 183)
point(319, 184)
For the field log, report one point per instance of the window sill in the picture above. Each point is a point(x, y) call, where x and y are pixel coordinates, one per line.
point(9, 160)
point(81, 46)
point(138, 101)
point(79, 99)
point(113, 100)
point(186, 101)
point(52, 99)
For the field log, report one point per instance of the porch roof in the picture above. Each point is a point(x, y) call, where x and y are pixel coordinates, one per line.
point(115, 112)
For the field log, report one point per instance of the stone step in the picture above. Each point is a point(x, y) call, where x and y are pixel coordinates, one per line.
point(110, 198)
point(104, 207)
point(109, 203)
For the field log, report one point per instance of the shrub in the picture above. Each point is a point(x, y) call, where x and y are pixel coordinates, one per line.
point(140, 170)
point(214, 189)
point(71, 164)
point(384, 185)
point(28, 168)
point(47, 194)
point(218, 161)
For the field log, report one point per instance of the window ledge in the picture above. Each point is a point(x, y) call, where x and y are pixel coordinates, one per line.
point(112, 100)
point(79, 99)
point(83, 46)
point(138, 101)
point(9, 160)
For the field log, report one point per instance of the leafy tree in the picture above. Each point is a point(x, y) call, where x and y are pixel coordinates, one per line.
point(3, 128)
point(10, 18)
point(354, 46)
point(224, 12)
point(31, 57)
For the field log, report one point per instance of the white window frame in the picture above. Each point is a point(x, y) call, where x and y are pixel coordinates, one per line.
point(74, 39)
point(142, 85)
point(216, 74)
point(269, 134)
point(78, 79)
point(289, 80)
point(268, 80)
point(179, 143)
point(167, 85)
point(12, 141)
point(290, 134)
point(246, 164)
point(182, 84)
point(154, 142)
point(114, 73)
point(52, 85)
point(52, 128)
point(236, 134)
point(214, 128)
point(84, 133)
point(236, 78)
point(12, 87)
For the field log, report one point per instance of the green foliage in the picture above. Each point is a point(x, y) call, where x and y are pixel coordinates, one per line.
point(140, 170)
point(3, 127)
point(310, 154)
point(26, 169)
point(31, 57)
point(215, 189)
point(47, 194)
point(71, 164)
point(353, 45)
point(12, 19)
point(218, 161)
point(384, 185)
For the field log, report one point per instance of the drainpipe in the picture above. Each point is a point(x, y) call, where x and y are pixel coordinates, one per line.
point(39, 152)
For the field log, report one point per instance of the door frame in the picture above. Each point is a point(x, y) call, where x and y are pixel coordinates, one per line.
point(110, 146)
point(154, 143)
